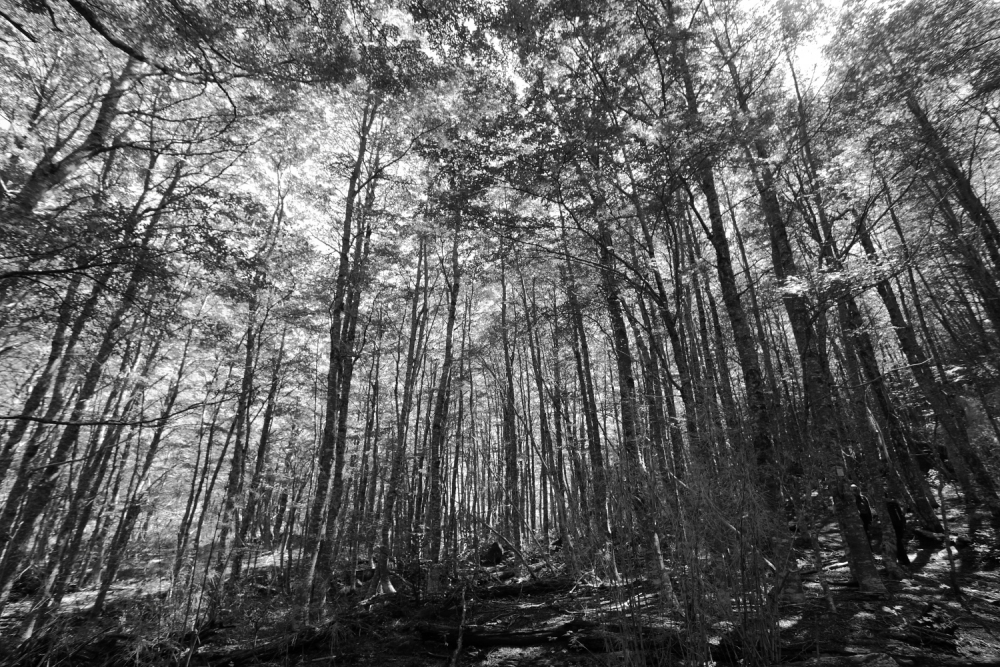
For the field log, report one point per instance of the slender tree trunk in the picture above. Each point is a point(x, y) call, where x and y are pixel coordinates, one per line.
point(257, 479)
point(134, 504)
point(49, 173)
point(431, 547)
point(818, 383)
point(417, 317)
point(328, 461)
point(37, 396)
point(37, 498)
point(512, 485)
point(943, 403)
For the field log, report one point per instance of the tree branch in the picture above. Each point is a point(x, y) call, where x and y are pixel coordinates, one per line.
point(17, 26)
point(138, 422)
point(94, 22)
point(37, 273)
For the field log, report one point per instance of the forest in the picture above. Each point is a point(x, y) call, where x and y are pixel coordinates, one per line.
point(557, 332)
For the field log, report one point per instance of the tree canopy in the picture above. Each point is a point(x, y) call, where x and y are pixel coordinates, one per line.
point(343, 282)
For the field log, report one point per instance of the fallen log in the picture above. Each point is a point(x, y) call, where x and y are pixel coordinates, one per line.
point(296, 643)
point(586, 634)
point(537, 587)
point(112, 648)
point(927, 538)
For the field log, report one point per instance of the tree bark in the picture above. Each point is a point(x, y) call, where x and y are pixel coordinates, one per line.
point(431, 547)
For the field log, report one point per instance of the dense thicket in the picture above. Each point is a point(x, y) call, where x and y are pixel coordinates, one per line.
point(334, 281)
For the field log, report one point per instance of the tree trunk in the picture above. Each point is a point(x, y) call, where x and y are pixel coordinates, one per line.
point(512, 516)
point(431, 547)
point(329, 461)
point(818, 382)
point(256, 481)
point(49, 173)
point(411, 369)
point(37, 498)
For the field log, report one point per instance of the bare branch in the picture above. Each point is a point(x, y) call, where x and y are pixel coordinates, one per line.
point(17, 26)
point(94, 22)
point(105, 422)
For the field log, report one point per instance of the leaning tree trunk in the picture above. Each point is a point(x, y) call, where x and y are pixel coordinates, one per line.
point(943, 403)
point(818, 383)
point(98, 454)
point(43, 483)
point(49, 173)
point(758, 403)
point(817, 379)
point(126, 525)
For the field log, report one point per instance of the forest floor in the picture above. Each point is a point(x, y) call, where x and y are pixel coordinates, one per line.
point(509, 618)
